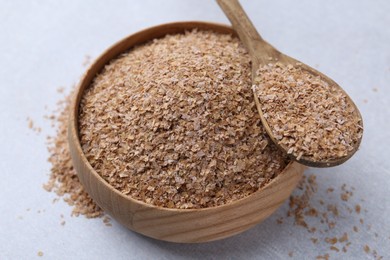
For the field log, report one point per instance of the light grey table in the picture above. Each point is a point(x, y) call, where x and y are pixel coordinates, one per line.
point(43, 45)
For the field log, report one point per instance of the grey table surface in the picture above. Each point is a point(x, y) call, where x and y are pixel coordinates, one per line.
point(43, 45)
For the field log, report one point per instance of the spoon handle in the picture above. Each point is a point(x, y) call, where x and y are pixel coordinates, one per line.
point(260, 51)
point(242, 25)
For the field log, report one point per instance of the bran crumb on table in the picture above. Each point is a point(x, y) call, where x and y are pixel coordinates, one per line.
point(63, 179)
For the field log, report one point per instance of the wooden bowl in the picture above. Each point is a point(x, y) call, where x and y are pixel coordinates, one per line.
point(176, 225)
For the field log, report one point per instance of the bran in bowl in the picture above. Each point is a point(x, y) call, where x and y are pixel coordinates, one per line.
point(173, 123)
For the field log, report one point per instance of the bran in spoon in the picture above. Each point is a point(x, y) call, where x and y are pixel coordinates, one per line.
point(308, 117)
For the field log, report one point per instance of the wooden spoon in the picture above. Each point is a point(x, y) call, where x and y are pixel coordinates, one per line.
point(262, 53)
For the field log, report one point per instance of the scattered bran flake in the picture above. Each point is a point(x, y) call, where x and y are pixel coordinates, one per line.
point(32, 127)
point(344, 238)
point(329, 190)
point(367, 249)
point(333, 209)
point(290, 254)
point(344, 196)
point(331, 225)
point(307, 117)
point(376, 256)
point(355, 228)
point(63, 179)
point(60, 90)
point(375, 89)
point(334, 249)
point(173, 123)
point(345, 248)
point(331, 241)
point(357, 208)
point(300, 201)
point(323, 257)
point(312, 229)
point(40, 253)
point(30, 123)
point(312, 212)
point(63, 223)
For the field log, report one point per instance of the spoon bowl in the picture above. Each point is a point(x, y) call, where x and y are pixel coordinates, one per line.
point(262, 53)
point(175, 225)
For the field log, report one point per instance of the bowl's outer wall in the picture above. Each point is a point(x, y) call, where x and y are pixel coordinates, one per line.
point(186, 226)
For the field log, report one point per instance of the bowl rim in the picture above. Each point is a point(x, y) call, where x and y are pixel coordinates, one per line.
point(73, 132)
